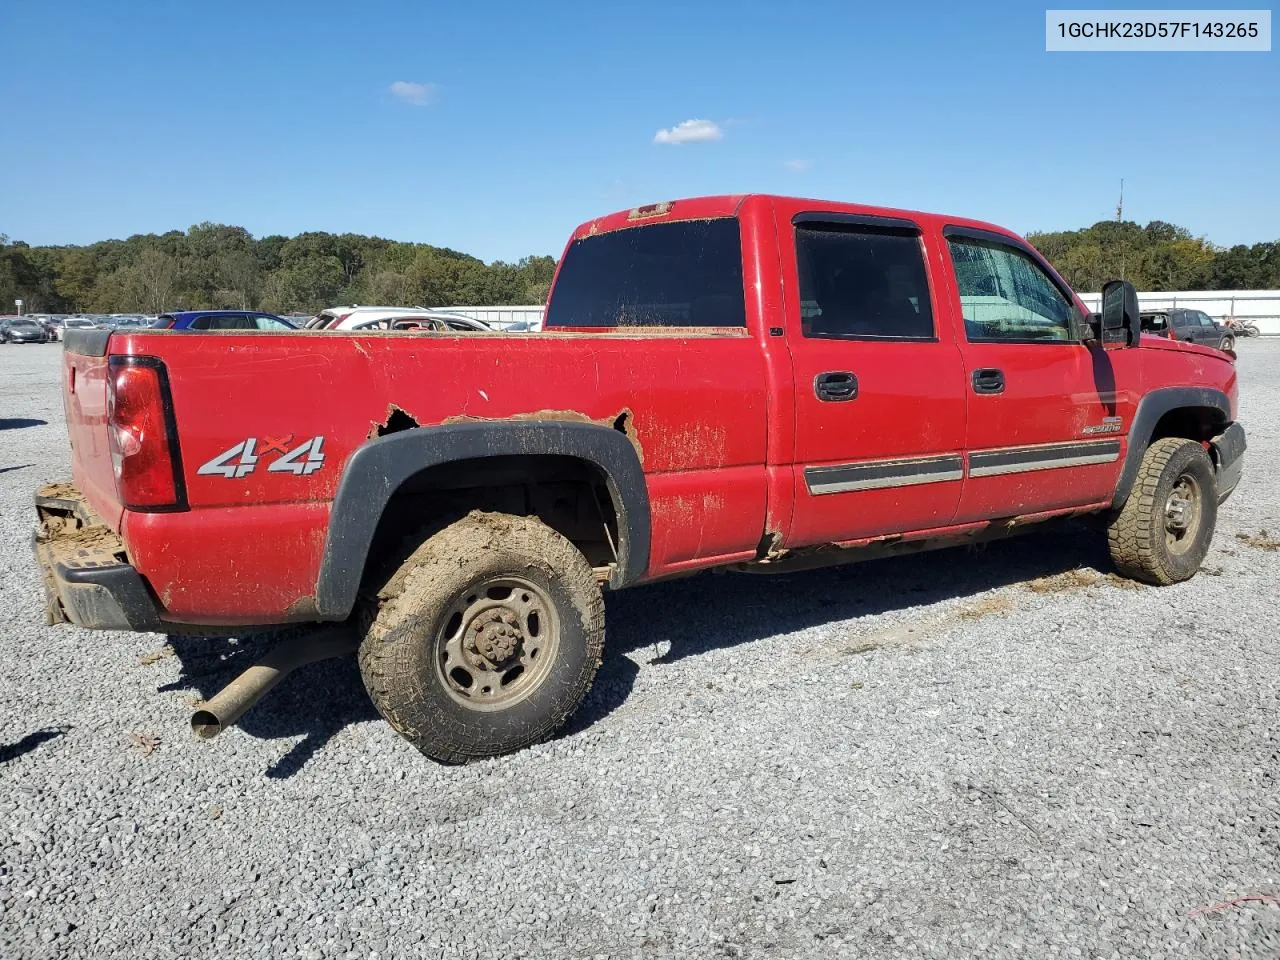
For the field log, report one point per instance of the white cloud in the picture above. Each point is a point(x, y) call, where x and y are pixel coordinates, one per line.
point(797, 166)
point(416, 94)
point(691, 131)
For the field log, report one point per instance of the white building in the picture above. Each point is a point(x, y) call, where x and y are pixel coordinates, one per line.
point(1260, 306)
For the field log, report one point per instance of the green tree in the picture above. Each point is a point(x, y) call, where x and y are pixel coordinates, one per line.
point(1159, 256)
point(77, 272)
point(157, 272)
point(240, 277)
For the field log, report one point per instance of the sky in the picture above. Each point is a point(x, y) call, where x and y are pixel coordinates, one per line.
point(495, 128)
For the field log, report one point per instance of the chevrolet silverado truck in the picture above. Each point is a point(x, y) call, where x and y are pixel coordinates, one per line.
point(749, 382)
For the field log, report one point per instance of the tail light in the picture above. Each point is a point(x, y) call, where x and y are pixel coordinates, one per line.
point(143, 435)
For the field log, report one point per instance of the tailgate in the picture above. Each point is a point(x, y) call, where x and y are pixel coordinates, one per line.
point(84, 397)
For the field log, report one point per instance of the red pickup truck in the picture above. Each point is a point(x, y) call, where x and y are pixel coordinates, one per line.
point(755, 382)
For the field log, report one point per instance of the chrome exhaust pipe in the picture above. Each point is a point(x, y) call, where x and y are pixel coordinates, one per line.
point(230, 703)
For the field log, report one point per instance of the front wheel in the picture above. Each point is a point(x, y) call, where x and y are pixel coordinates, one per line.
point(486, 639)
point(1162, 532)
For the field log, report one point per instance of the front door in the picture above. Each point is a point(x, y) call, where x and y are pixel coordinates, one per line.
point(1209, 334)
point(1046, 415)
point(879, 399)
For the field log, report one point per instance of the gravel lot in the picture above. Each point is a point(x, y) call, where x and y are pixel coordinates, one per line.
point(952, 755)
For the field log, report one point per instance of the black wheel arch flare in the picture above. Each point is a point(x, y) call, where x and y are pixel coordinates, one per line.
point(377, 469)
point(1151, 408)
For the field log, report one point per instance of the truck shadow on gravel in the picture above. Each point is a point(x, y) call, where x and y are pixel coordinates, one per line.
point(681, 618)
point(692, 616)
point(18, 423)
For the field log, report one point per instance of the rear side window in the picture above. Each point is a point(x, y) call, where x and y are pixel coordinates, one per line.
point(224, 323)
point(860, 284)
point(684, 274)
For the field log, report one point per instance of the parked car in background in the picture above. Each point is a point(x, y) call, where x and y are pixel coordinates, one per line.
point(383, 318)
point(221, 320)
point(23, 330)
point(53, 326)
point(124, 321)
point(328, 319)
point(51, 322)
point(1193, 326)
point(422, 321)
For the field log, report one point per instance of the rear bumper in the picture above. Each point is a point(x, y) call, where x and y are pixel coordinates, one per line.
point(1228, 459)
point(87, 579)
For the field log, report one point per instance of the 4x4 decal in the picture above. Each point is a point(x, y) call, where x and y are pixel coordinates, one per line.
point(242, 459)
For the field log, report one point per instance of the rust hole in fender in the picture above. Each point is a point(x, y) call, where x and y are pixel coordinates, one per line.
point(396, 421)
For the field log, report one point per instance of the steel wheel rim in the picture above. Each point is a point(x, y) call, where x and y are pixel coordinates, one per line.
point(496, 642)
point(1182, 513)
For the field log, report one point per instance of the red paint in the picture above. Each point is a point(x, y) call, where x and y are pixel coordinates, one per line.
point(727, 421)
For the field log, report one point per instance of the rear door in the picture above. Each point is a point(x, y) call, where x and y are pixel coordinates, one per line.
point(879, 393)
point(1045, 413)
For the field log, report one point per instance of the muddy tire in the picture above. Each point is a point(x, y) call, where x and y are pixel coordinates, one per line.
point(1163, 531)
point(486, 639)
point(1228, 342)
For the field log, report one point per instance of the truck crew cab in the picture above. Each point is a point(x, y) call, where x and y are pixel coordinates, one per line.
point(755, 382)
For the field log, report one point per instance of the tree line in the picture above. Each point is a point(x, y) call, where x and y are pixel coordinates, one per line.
point(1158, 257)
point(213, 265)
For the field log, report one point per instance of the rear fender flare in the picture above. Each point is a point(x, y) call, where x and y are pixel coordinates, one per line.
point(378, 468)
point(1150, 409)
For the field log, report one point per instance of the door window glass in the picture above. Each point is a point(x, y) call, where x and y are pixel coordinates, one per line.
point(1005, 295)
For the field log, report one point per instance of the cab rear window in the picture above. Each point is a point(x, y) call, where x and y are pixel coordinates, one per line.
point(683, 274)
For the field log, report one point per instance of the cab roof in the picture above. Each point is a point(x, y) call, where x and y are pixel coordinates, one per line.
point(730, 205)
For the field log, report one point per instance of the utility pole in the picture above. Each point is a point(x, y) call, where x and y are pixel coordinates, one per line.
point(1120, 219)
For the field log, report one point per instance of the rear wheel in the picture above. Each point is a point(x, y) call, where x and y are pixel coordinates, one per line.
point(1228, 342)
point(486, 639)
point(1163, 531)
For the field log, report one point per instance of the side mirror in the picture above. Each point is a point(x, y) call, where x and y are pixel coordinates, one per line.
point(1121, 320)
